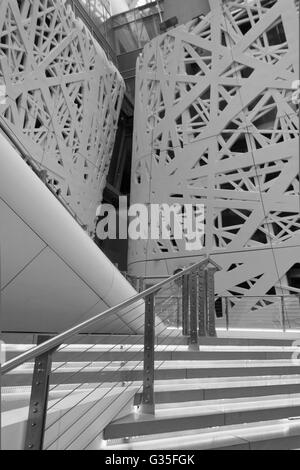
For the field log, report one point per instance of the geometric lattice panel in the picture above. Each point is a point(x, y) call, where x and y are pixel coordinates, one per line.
point(63, 99)
point(216, 124)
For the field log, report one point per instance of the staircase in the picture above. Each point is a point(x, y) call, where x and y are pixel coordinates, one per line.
point(231, 394)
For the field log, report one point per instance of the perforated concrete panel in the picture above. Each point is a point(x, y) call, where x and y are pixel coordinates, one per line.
point(216, 124)
point(63, 99)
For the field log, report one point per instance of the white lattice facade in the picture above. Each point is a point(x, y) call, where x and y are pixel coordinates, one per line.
point(216, 124)
point(63, 99)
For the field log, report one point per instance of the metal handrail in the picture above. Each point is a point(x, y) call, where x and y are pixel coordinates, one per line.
point(61, 338)
point(291, 289)
point(263, 296)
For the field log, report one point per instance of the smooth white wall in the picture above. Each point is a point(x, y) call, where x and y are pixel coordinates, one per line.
point(52, 274)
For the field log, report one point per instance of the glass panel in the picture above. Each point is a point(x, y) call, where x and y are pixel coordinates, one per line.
point(135, 28)
point(136, 14)
point(168, 305)
point(126, 39)
point(292, 312)
point(99, 9)
point(220, 308)
point(96, 15)
point(255, 312)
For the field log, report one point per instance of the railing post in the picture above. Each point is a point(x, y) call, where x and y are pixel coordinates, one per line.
point(178, 312)
point(227, 312)
point(202, 301)
point(211, 315)
point(185, 305)
point(148, 403)
point(283, 314)
point(193, 310)
point(39, 399)
point(141, 287)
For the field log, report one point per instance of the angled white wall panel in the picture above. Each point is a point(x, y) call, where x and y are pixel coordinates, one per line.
point(217, 124)
point(19, 244)
point(63, 99)
point(52, 274)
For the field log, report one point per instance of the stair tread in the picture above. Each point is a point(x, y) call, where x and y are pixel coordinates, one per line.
point(227, 401)
point(184, 384)
point(226, 384)
point(214, 437)
point(175, 364)
point(189, 413)
point(209, 407)
point(20, 348)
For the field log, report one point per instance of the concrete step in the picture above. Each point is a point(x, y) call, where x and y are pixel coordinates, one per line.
point(86, 372)
point(172, 391)
point(229, 338)
point(266, 435)
point(203, 414)
point(211, 389)
point(128, 352)
point(203, 398)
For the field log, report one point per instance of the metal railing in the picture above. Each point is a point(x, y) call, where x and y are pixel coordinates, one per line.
point(66, 394)
point(270, 312)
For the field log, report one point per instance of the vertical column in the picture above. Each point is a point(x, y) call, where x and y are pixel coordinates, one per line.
point(202, 301)
point(185, 305)
point(39, 400)
point(193, 310)
point(283, 323)
point(148, 403)
point(141, 284)
point(178, 313)
point(227, 312)
point(211, 321)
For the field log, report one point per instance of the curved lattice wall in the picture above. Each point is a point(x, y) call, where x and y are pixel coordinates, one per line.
point(216, 124)
point(63, 99)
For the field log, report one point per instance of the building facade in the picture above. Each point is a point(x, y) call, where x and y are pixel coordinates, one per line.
point(63, 99)
point(216, 124)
